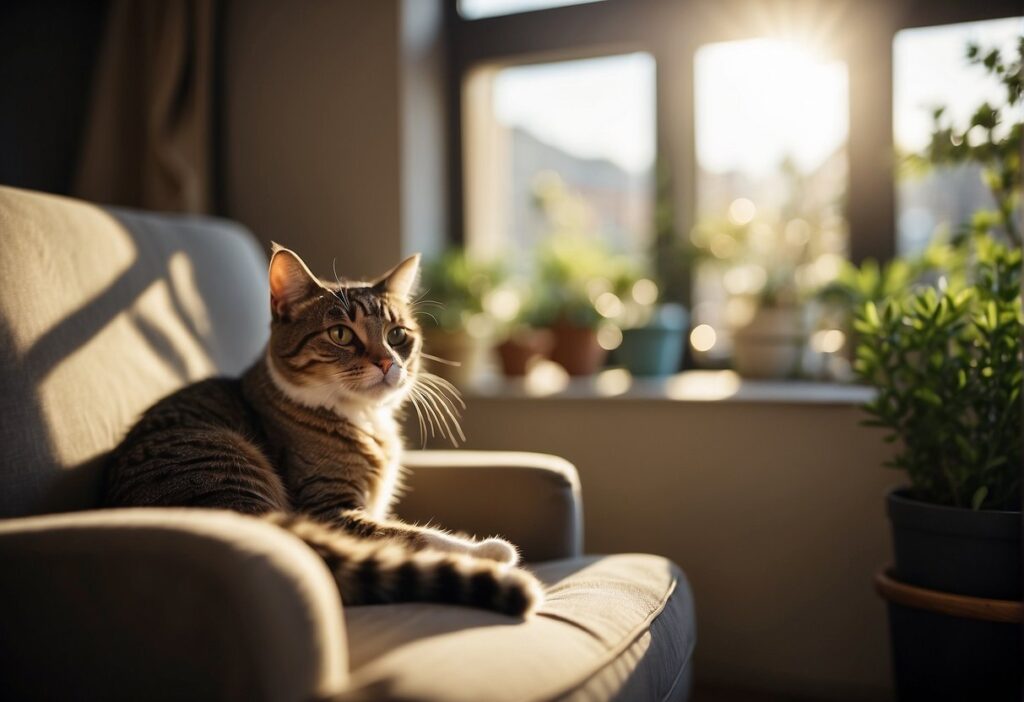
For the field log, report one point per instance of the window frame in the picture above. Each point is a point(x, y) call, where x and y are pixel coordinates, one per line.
point(618, 26)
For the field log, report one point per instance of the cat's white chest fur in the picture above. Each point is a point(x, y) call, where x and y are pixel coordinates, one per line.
point(380, 422)
point(376, 420)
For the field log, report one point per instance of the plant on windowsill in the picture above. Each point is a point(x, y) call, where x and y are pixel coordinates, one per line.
point(939, 338)
point(574, 269)
point(523, 338)
point(653, 332)
point(653, 320)
point(771, 261)
point(457, 330)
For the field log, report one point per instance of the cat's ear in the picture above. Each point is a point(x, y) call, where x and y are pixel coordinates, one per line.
point(401, 280)
point(290, 280)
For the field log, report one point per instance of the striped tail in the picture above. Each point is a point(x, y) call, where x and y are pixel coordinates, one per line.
point(376, 571)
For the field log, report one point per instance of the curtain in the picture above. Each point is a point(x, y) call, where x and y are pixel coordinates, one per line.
point(149, 134)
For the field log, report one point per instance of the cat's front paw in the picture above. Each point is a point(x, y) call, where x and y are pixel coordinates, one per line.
point(495, 549)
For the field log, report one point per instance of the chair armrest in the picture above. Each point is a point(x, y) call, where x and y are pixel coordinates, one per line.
point(531, 499)
point(165, 604)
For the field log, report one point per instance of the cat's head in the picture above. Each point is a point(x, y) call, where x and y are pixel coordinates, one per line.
point(343, 342)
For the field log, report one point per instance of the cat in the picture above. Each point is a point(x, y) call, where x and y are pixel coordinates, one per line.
point(307, 438)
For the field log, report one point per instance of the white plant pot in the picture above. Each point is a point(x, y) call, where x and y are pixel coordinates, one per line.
point(772, 345)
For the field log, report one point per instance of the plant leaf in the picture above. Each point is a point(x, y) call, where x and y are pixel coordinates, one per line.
point(979, 496)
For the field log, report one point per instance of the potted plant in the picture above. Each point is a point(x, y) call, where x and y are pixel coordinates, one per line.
point(653, 332)
point(946, 364)
point(943, 351)
point(457, 329)
point(770, 259)
point(575, 270)
point(523, 338)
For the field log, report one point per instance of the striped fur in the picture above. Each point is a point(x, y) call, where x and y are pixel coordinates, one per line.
point(307, 438)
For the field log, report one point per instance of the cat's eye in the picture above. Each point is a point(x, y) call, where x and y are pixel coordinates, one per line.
point(397, 336)
point(341, 335)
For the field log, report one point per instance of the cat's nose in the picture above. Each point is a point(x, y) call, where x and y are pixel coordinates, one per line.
point(385, 364)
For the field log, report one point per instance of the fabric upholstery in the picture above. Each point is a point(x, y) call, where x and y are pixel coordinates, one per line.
point(165, 604)
point(612, 627)
point(102, 312)
point(529, 498)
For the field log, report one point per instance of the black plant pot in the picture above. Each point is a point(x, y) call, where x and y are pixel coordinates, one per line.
point(937, 656)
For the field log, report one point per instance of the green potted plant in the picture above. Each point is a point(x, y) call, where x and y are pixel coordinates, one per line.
point(573, 272)
point(457, 329)
point(946, 363)
point(574, 269)
point(654, 321)
point(939, 339)
point(523, 339)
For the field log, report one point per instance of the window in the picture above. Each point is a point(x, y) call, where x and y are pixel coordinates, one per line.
point(771, 132)
point(478, 9)
point(560, 145)
point(774, 155)
point(930, 70)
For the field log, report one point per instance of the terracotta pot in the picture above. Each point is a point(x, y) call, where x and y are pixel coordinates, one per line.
point(576, 349)
point(519, 350)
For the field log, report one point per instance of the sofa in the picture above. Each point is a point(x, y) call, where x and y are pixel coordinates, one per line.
point(103, 311)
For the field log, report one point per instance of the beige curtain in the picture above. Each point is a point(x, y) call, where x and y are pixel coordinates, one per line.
point(148, 139)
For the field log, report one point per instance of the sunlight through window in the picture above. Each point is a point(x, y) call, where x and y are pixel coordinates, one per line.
point(772, 119)
point(478, 9)
point(930, 70)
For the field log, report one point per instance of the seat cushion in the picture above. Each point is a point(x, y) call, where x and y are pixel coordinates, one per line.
point(612, 626)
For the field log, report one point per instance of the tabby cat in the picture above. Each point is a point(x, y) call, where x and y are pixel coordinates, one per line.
point(307, 438)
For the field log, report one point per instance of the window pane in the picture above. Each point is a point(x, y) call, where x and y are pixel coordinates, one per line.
point(771, 128)
point(581, 132)
point(930, 70)
point(477, 9)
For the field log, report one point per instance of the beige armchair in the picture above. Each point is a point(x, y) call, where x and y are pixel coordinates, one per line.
point(101, 313)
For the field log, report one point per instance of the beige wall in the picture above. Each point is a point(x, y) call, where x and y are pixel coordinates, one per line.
point(775, 511)
point(311, 128)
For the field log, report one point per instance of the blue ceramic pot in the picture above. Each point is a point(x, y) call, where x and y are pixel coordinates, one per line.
point(656, 349)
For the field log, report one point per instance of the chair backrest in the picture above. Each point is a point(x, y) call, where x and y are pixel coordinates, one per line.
point(102, 312)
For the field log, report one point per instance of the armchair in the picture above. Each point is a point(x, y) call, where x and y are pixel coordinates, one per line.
point(103, 311)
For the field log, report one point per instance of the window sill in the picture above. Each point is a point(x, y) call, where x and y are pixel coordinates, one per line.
point(689, 386)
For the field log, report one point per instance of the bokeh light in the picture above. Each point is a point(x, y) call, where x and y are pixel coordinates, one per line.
point(609, 336)
point(608, 305)
point(645, 291)
point(742, 211)
point(703, 337)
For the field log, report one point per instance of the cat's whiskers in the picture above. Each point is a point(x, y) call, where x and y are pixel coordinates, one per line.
point(431, 413)
point(436, 410)
point(419, 417)
point(440, 395)
point(446, 384)
point(438, 359)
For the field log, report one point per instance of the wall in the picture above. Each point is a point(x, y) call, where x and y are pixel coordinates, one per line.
point(311, 129)
point(774, 510)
